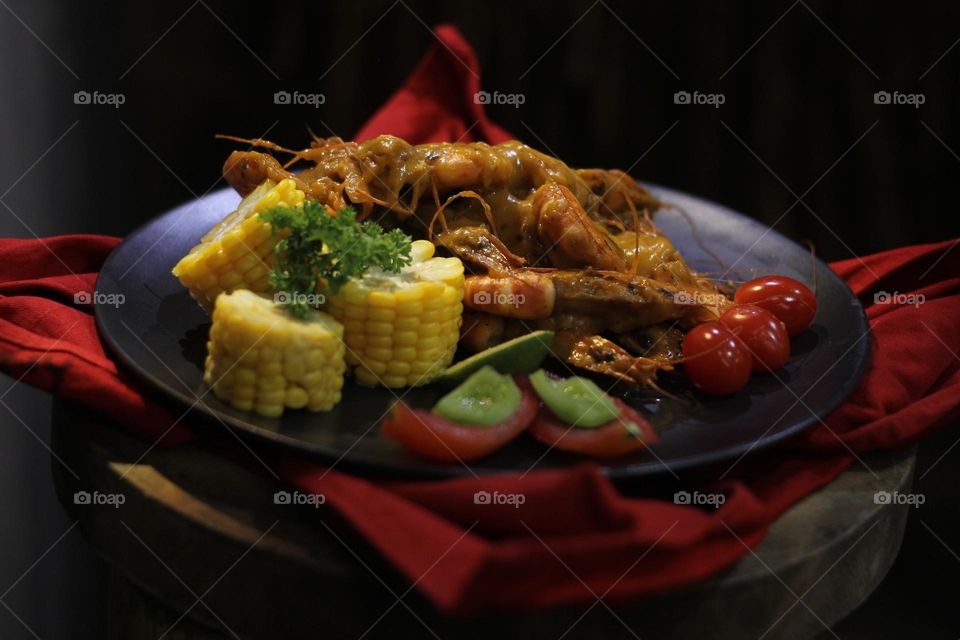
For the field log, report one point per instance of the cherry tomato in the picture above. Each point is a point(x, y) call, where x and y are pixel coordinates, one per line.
point(436, 438)
point(715, 359)
point(764, 335)
point(625, 433)
point(788, 299)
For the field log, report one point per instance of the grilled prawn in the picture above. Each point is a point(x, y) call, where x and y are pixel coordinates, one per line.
point(549, 246)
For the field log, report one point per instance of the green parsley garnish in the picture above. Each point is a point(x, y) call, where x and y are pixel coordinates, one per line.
point(333, 248)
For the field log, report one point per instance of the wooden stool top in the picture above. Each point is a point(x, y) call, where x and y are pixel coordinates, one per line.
point(201, 534)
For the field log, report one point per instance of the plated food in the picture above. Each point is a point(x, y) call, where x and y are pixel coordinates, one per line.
point(407, 256)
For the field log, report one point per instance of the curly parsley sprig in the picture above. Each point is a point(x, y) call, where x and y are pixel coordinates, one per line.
point(331, 248)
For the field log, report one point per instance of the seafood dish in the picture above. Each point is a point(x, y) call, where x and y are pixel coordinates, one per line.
point(470, 266)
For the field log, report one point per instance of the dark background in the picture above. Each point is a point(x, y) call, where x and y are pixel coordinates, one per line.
point(798, 99)
point(799, 119)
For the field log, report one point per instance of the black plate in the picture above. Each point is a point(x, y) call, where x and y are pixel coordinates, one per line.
point(159, 332)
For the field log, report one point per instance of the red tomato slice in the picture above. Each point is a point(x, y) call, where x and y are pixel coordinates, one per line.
point(606, 441)
point(436, 438)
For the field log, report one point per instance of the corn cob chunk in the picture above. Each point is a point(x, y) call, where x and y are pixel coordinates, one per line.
point(237, 252)
point(402, 329)
point(262, 359)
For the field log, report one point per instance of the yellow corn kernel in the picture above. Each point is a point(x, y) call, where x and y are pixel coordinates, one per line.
point(407, 324)
point(398, 368)
point(237, 252)
point(405, 354)
point(405, 338)
point(379, 328)
point(394, 381)
point(262, 359)
point(296, 398)
point(381, 315)
point(378, 342)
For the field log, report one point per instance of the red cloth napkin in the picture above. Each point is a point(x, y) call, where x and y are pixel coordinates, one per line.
point(48, 336)
point(438, 102)
point(575, 537)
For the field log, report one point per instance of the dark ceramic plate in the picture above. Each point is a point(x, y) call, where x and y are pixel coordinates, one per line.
point(160, 333)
